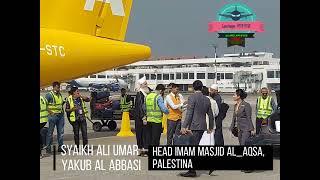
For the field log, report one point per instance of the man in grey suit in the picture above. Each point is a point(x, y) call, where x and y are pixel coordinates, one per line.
point(198, 106)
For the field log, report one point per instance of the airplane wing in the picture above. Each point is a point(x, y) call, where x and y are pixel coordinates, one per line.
point(226, 15)
point(246, 15)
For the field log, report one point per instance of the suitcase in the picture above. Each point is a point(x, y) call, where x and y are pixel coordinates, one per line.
point(187, 139)
point(102, 106)
point(101, 95)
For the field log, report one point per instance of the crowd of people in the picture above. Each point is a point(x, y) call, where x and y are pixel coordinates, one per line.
point(204, 113)
point(52, 112)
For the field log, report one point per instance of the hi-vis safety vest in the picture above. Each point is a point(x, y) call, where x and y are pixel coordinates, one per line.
point(73, 113)
point(56, 106)
point(264, 107)
point(124, 105)
point(154, 114)
point(174, 114)
point(43, 110)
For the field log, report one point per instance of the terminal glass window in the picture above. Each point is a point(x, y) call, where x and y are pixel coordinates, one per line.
point(211, 76)
point(191, 75)
point(221, 75)
point(184, 75)
point(218, 76)
point(147, 76)
point(165, 76)
point(140, 76)
point(178, 76)
point(171, 76)
point(153, 76)
point(277, 74)
point(101, 76)
point(229, 76)
point(270, 74)
point(201, 75)
point(159, 76)
point(93, 76)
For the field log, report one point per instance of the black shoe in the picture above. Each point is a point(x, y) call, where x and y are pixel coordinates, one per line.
point(211, 171)
point(48, 151)
point(144, 154)
point(60, 150)
point(188, 174)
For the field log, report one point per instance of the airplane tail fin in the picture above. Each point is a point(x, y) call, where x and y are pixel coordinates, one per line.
point(103, 18)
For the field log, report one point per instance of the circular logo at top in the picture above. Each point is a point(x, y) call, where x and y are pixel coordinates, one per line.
point(236, 12)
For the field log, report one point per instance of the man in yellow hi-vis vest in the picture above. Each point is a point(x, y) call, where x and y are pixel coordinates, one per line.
point(43, 118)
point(56, 116)
point(125, 101)
point(75, 105)
point(265, 106)
point(154, 109)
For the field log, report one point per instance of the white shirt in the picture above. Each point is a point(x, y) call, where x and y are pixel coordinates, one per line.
point(168, 101)
point(215, 111)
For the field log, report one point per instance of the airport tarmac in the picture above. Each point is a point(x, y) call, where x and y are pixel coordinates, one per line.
point(107, 137)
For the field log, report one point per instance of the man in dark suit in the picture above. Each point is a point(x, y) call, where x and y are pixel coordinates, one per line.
point(198, 106)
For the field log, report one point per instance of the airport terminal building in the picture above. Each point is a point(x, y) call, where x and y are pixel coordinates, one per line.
point(249, 71)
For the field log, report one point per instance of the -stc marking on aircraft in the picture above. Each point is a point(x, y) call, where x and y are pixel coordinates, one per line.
point(88, 35)
point(54, 50)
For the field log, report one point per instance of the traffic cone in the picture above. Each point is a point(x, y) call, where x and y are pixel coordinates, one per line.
point(164, 123)
point(125, 130)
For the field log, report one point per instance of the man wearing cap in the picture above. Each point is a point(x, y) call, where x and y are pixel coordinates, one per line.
point(218, 135)
point(78, 113)
point(265, 107)
point(140, 116)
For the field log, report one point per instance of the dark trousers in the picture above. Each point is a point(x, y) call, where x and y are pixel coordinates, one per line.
point(258, 125)
point(197, 137)
point(218, 135)
point(77, 126)
point(173, 127)
point(41, 142)
point(243, 136)
point(154, 131)
point(141, 134)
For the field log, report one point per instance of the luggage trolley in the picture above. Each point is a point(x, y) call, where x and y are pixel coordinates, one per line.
point(102, 111)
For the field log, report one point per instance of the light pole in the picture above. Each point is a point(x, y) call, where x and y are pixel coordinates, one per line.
point(215, 62)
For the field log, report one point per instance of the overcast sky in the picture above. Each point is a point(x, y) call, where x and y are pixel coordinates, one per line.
point(179, 27)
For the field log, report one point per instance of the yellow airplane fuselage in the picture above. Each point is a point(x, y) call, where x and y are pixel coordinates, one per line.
point(67, 55)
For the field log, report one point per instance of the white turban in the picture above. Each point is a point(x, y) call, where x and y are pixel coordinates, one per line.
point(214, 86)
point(142, 80)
